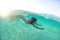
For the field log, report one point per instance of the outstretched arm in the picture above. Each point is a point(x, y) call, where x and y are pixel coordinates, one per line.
point(37, 27)
point(38, 24)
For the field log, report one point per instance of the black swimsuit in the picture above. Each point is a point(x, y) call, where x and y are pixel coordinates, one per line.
point(33, 20)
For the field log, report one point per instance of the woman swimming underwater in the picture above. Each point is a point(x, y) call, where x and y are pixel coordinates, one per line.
point(31, 21)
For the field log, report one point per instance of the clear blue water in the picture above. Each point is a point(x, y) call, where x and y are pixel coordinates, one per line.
point(19, 30)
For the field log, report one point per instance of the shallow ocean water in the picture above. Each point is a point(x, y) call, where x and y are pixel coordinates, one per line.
point(19, 30)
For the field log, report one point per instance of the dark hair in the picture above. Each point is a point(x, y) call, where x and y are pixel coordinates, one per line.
point(34, 19)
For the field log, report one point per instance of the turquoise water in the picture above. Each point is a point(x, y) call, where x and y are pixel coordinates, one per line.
point(19, 30)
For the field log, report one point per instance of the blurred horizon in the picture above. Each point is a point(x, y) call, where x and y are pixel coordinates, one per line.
point(37, 6)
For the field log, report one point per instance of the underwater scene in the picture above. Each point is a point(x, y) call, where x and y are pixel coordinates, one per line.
point(18, 29)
